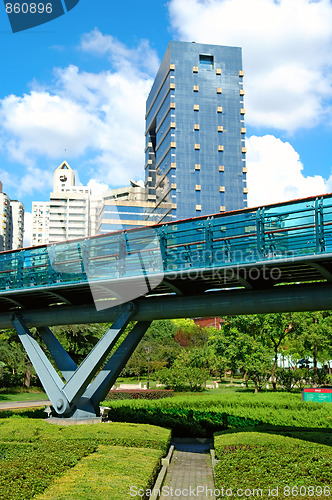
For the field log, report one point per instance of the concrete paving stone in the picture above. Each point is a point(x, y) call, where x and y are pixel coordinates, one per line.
point(190, 472)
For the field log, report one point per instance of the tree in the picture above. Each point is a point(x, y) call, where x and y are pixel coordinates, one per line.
point(257, 362)
point(314, 336)
point(16, 362)
point(275, 328)
point(186, 372)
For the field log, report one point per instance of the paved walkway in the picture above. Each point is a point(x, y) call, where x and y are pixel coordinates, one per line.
point(12, 405)
point(190, 472)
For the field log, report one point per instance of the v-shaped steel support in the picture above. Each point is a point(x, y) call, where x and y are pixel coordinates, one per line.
point(79, 394)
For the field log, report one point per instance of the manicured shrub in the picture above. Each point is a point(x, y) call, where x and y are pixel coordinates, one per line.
point(201, 415)
point(265, 462)
point(27, 468)
point(33, 453)
point(17, 429)
point(111, 473)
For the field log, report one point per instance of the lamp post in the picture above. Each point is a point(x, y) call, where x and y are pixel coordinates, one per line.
point(148, 350)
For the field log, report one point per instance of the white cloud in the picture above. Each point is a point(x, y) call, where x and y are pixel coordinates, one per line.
point(95, 116)
point(97, 188)
point(275, 173)
point(287, 48)
point(141, 58)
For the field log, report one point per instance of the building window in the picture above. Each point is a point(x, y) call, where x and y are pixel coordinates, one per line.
point(206, 61)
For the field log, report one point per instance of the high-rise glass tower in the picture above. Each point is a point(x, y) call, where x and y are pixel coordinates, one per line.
point(195, 132)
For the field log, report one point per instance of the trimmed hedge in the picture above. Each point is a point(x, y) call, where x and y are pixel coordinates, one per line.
point(34, 452)
point(140, 394)
point(108, 474)
point(266, 462)
point(202, 415)
point(17, 429)
point(28, 468)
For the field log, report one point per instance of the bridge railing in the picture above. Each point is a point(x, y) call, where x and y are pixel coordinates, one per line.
point(288, 230)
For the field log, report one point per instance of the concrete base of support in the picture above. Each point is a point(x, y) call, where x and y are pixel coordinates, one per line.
point(73, 421)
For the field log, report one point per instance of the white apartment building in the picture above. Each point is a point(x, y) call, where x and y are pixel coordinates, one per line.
point(12, 223)
point(40, 222)
point(17, 224)
point(66, 215)
point(69, 206)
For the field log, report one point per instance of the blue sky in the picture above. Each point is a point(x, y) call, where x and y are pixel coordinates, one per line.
point(75, 89)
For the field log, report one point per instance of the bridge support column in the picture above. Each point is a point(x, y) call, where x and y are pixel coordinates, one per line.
point(77, 391)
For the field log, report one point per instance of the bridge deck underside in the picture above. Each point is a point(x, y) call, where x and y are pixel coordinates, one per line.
point(263, 275)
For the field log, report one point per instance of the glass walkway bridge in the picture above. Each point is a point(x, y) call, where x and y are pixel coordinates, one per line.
point(265, 259)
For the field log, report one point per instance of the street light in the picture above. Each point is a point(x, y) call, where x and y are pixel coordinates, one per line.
point(148, 350)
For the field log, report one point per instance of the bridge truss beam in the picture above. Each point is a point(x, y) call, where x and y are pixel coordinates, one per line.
point(79, 390)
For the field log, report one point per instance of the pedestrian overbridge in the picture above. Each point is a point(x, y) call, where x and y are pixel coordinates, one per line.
point(266, 259)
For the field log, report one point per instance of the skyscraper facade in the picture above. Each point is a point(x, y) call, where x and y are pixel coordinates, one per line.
point(123, 208)
point(195, 133)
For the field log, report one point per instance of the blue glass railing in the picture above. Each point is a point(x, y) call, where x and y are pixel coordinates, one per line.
point(285, 231)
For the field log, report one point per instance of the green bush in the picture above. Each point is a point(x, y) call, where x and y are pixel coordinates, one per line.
point(15, 429)
point(33, 453)
point(27, 468)
point(201, 415)
point(108, 474)
point(260, 461)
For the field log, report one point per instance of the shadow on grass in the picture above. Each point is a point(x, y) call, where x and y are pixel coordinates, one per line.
point(35, 413)
point(308, 434)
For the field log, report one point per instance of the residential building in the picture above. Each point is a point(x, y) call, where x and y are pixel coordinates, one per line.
point(40, 222)
point(69, 206)
point(17, 224)
point(195, 134)
point(12, 226)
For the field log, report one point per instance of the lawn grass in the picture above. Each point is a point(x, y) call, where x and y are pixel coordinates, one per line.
point(23, 396)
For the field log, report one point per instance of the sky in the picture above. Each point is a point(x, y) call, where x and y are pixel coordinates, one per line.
point(75, 88)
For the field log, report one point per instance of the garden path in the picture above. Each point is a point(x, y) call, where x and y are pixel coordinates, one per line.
point(190, 471)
